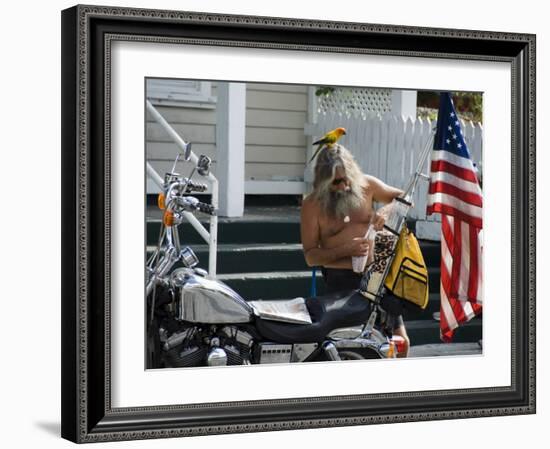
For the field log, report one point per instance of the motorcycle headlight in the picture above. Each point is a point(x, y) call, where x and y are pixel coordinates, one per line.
point(180, 276)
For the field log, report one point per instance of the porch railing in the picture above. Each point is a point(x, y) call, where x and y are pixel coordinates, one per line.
point(211, 236)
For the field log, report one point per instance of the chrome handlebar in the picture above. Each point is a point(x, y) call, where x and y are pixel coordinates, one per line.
point(191, 204)
point(177, 200)
point(192, 186)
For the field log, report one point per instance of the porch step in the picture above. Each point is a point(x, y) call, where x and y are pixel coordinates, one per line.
point(252, 257)
point(413, 312)
point(444, 349)
point(249, 231)
point(423, 332)
point(272, 285)
point(266, 257)
point(431, 251)
point(253, 231)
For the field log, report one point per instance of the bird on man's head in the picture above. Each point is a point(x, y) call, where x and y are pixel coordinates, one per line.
point(328, 139)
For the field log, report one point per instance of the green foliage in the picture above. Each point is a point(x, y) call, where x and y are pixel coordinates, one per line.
point(468, 105)
point(425, 113)
point(324, 91)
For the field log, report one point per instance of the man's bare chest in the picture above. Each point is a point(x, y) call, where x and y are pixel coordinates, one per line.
point(358, 219)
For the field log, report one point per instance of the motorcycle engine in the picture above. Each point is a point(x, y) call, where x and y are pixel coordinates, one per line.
point(207, 345)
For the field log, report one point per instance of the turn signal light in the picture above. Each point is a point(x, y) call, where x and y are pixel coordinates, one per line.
point(399, 343)
point(160, 201)
point(391, 351)
point(168, 218)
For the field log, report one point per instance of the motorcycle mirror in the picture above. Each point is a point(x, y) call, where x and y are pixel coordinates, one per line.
point(203, 165)
point(187, 153)
point(186, 156)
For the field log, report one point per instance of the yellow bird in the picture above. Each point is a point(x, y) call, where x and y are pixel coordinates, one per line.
point(328, 139)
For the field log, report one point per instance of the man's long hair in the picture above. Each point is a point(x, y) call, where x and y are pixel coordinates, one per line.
point(338, 204)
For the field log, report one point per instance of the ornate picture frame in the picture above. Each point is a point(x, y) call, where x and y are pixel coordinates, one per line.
point(88, 33)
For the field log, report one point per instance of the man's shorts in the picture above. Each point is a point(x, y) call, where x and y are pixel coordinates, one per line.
point(340, 279)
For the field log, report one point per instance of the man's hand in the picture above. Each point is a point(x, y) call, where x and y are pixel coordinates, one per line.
point(359, 246)
point(378, 221)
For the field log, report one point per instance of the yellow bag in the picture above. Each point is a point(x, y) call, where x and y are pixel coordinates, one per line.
point(407, 277)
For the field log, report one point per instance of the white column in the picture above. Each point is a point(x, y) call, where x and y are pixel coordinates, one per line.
point(404, 103)
point(230, 144)
point(309, 129)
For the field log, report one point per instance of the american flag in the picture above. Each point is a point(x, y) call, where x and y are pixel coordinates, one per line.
point(455, 193)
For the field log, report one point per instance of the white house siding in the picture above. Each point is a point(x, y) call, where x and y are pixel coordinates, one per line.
point(275, 140)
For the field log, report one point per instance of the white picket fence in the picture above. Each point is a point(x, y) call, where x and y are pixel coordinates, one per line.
point(389, 148)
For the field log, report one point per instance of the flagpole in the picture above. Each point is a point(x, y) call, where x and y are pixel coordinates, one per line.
point(373, 289)
point(409, 191)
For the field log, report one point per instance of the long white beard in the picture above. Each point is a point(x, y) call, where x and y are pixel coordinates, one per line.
point(341, 204)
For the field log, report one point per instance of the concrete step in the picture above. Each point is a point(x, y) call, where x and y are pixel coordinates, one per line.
point(270, 231)
point(259, 269)
point(272, 285)
point(445, 349)
point(431, 251)
point(234, 232)
point(253, 257)
point(434, 277)
point(423, 332)
point(265, 257)
point(412, 312)
point(290, 284)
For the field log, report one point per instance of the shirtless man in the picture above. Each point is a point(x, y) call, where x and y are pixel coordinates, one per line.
point(335, 217)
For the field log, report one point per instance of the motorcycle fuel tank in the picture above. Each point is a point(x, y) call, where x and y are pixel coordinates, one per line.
point(208, 301)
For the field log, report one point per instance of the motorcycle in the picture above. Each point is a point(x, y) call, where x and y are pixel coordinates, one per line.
point(193, 320)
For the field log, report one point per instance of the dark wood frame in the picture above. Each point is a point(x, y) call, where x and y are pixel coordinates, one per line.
point(87, 32)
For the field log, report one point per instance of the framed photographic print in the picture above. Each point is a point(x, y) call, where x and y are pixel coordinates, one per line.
point(283, 223)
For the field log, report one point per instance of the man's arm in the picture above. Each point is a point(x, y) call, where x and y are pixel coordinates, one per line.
point(381, 192)
point(311, 238)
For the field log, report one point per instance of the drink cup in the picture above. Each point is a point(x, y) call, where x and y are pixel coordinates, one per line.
point(358, 263)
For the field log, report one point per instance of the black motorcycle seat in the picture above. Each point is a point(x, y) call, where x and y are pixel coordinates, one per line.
point(327, 313)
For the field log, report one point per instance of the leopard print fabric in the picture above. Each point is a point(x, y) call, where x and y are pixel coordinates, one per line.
point(384, 243)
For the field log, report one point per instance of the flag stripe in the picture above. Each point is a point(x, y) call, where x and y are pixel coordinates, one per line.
point(479, 295)
point(455, 170)
point(444, 209)
point(474, 245)
point(454, 304)
point(459, 161)
point(468, 310)
point(449, 200)
point(457, 260)
point(466, 186)
point(447, 319)
point(450, 189)
point(448, 276)
point(446, 223)
point(464, 269)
